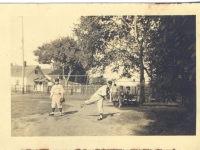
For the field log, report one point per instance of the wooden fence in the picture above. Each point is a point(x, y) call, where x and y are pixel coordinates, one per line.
point(81, 89)
point(18, 89)
point(69, 90)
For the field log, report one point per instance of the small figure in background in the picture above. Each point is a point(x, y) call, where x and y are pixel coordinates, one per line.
point(114, 92)
point(127, 93)
point(121, 96)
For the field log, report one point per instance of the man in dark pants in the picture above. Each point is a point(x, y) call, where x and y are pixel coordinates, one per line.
point(121, 96)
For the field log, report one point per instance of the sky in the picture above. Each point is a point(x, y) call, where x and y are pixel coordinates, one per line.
point(37, 30)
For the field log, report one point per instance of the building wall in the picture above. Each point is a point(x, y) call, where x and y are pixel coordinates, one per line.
point(33, 76)
point(28, 81)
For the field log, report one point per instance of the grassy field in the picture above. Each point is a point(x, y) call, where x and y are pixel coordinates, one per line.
point(30, 104)
point(166, 120)
point(169, 121)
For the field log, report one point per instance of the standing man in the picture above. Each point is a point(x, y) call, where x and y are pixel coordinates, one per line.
point(121, 96)
point(98, 97)
point(127, 93)
point(114, 92)
point(55, 94)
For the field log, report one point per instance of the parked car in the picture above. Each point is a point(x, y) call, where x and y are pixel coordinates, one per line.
point(130, 96)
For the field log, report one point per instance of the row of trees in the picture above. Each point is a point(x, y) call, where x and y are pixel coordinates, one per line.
point(162, 46)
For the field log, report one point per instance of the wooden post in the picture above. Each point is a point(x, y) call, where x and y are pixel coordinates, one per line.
point(72, 90)
point(22, 57)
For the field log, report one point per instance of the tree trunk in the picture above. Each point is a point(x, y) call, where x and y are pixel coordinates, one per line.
point(142, 81)
point(63, 72)
point(87, 79)
point(156, 95)
point(76, 80)
point(68, 76)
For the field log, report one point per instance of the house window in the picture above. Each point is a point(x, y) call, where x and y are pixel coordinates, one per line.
point(36, 71)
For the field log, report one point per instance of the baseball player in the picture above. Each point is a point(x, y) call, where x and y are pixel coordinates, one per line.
point(56, 93)
point(98, 97)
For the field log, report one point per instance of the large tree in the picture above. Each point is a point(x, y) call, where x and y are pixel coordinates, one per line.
point(105, 41)
point(118, 41)
point(173, 58)
point(163, 46)
point(62, 52)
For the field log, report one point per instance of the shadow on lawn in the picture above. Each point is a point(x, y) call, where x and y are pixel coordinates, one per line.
point(70, 112)
point(66, 114)
point(124, 107)
point(105, 115)
point(166, 122)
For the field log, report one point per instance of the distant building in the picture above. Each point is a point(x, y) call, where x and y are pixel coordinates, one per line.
point(46, 72)
point(55, 73)
point(34, 79)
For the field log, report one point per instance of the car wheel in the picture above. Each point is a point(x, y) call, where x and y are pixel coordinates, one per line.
point(116, 103)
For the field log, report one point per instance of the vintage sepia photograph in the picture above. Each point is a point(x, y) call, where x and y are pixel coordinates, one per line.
point(116, 75)
point(99, 76)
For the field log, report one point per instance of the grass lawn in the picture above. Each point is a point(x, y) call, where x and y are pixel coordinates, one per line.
point(30, 104)
point(169, 121)
point(165, 120)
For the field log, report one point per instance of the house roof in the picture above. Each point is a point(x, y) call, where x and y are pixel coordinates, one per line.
point(42, 80)
point(56, 72)
point(16, 71)
point(46, 71)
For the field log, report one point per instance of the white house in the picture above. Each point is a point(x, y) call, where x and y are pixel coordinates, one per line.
point(34, 79)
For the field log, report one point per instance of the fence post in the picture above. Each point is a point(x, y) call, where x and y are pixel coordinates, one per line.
point(72, 90)
point(82, 89)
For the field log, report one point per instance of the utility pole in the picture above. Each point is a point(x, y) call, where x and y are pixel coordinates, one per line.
point(63, 71)
point(22, 57)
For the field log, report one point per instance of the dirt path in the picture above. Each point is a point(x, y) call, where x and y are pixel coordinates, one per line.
point(82, 122)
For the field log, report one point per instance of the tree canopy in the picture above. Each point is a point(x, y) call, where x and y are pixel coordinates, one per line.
point(163, 46)
point(173, 56)
point(63, 52)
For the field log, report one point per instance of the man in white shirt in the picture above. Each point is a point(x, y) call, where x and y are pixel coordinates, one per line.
point(56, 93)
point(98, 97)
point(114, 91)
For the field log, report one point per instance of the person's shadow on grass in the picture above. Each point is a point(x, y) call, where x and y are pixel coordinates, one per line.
point(69, 112)
point(66, 114)
point(105, 115)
